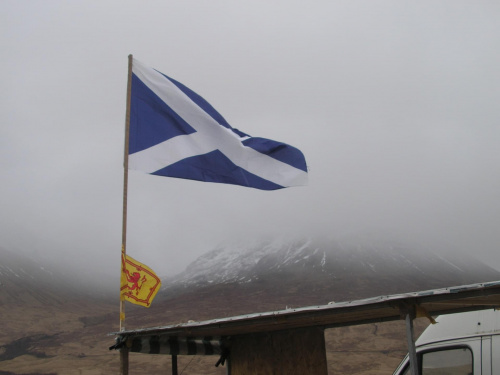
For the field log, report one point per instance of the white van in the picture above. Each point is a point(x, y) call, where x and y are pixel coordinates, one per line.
point(459, 344)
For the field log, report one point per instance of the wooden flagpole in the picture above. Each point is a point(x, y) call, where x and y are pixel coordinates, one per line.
point(124, 350)
point(125, 181)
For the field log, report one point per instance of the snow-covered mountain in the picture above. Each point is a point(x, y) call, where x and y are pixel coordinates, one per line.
point(244, 262)
point(329, 269)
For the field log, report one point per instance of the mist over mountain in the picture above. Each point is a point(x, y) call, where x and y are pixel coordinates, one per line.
point(339, 261)
point(309, 270)
point(253, 276)
point(29, 281)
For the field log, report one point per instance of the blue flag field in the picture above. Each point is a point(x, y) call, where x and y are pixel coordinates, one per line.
point(174, 132)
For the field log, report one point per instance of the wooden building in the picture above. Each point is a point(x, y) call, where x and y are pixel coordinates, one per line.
point(292, 341)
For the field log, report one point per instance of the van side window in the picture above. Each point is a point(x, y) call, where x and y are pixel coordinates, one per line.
point(453, 361)
point(456, 361)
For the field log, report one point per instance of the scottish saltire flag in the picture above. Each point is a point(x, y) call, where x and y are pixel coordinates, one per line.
point(176, 133)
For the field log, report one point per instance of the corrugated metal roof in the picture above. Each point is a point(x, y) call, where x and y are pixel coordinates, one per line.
point(377, 309)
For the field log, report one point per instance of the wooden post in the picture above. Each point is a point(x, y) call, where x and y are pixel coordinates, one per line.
point(124, 360)
point(125, 183)
point(174, 364)
point(124, 351)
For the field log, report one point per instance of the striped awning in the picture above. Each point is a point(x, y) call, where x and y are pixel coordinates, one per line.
point(171, 345)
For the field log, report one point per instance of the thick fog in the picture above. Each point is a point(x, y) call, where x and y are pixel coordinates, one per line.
point(394, 104)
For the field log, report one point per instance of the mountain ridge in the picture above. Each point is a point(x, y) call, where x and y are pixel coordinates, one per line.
point(337, 262)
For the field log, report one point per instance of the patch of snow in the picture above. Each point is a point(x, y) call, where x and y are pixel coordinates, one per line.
point(450, 263)
point(323, 260)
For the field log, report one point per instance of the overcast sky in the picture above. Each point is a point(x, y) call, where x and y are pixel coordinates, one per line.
point(395, 105)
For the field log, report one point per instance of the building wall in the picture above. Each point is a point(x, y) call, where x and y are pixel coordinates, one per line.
point(297, 351)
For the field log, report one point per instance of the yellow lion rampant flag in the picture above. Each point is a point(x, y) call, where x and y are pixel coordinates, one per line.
point(139, 284)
